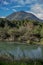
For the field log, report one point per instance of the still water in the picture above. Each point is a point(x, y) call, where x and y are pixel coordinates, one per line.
point(21, 51)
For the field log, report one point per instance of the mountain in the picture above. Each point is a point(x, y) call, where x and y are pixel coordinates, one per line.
point(22, 16)
point(21, 27)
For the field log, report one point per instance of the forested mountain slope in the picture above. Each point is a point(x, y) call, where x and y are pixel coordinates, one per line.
point(26, 31)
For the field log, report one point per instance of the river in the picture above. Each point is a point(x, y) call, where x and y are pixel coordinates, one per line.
point(16, 51)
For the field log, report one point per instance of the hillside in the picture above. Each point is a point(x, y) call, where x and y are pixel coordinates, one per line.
point(25, 31)
point(22, 16)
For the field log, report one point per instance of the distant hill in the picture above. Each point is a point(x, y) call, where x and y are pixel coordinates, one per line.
point(22, 16)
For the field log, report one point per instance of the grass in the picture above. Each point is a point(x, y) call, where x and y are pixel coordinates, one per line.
point(21, 63)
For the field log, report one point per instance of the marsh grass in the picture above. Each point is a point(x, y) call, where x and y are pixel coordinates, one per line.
point(21, 63)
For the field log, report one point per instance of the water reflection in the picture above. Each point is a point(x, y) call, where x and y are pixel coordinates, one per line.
point(19, 53)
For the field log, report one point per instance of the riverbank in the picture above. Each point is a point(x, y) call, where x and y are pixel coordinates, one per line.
point(21, 63)
point(20, 43)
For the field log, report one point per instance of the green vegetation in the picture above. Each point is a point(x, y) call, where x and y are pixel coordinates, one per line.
point(24, 31)
point(27, 31)
point(21, 63)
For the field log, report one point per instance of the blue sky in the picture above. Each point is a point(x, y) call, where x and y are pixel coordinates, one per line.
point(9, 6)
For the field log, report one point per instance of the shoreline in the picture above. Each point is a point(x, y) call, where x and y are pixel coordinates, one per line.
point(20, 43)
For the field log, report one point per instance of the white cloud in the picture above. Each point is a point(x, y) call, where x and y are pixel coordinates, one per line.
point(14, 10)
point(40, 15)
point(22, 2)
point(2, 17)
point(17, 6)
point(38, 10)
point(29, 1)
point(5, 2)
point(4, 8)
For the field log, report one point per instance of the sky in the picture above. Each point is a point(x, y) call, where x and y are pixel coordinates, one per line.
point(9, 6)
